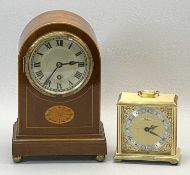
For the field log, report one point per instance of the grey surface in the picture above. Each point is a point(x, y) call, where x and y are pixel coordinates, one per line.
point(144, 45)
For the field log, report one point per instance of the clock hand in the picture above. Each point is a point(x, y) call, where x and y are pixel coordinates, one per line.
point(71, 63)
point(153, 133)
point(58, 65)
point(152, 127)
point(149, 129)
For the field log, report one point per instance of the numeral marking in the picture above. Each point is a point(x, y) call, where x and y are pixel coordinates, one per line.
point(48, 45)
point(59, 77)
point(81, 64)
point(37, 64)
point(59, 86)
point(59, 42)
point(70, 83)
point(129, 137)
point(47, 82)
point(70, 45)
point(40, 74)
point(79, 53)
point(40, 53)
point(78, 74)
point(163, 139)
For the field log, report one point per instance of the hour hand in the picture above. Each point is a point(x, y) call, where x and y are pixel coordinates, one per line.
point(70, 63)
point(152, 127)
point(76, 62)
point(73, 62)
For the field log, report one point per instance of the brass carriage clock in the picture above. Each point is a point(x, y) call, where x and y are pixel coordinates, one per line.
point(147, 127)
point(59, 89)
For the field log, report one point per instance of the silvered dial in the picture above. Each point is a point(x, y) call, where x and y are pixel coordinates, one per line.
point(147, 129)
point(59, 64)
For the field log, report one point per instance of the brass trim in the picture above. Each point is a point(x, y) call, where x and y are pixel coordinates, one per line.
point(58, 139)
point(173, 159)
point(148, 93)
point(64, 93)
point(100, 158)
point(119, 130)
point(17, 158)
point(174, 143)
point(127, 98)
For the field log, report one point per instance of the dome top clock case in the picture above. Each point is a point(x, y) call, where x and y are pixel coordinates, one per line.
point(59, 89)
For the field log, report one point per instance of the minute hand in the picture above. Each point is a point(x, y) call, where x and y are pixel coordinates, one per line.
point(153, 133)
point(50, 76)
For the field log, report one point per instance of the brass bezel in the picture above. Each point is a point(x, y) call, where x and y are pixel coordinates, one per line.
point(65, 34)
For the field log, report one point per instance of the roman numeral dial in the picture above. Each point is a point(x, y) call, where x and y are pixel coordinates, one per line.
point(60, 64)
point(48, 45)
point(40, 74)
point(37, 64)
point(78, 75)
point(59, 42)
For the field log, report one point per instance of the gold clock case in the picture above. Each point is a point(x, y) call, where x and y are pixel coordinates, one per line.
point(167, 103)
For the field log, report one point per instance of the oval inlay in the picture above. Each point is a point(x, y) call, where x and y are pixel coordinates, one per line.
point(59, 114)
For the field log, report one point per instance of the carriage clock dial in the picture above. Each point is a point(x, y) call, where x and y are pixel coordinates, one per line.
point(152, 125)
point(59, 64)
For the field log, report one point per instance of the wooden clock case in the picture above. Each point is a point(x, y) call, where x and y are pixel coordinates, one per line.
point(33, 135)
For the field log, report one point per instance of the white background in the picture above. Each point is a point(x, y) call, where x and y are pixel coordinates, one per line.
point(144, 44)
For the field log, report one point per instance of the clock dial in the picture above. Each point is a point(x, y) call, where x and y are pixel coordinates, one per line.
point(59, 64)
point(147, 129)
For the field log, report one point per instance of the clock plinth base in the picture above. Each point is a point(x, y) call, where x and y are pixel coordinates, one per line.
point(86, 144)
point(173, 159)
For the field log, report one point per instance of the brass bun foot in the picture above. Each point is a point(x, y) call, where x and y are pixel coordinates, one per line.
point(17, 159)
point(172, 159)
point(100, 158)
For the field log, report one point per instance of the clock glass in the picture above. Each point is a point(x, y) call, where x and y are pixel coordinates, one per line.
point(146, 129)
point(59, 63)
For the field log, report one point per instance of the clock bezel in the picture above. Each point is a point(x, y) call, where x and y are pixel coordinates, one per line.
point(171, 150)
point(45, 37)
point(154, 150)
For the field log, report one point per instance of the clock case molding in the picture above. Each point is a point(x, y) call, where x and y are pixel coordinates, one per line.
point(33, 135)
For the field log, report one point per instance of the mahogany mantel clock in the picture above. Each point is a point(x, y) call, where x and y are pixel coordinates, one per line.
point(59, 89)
